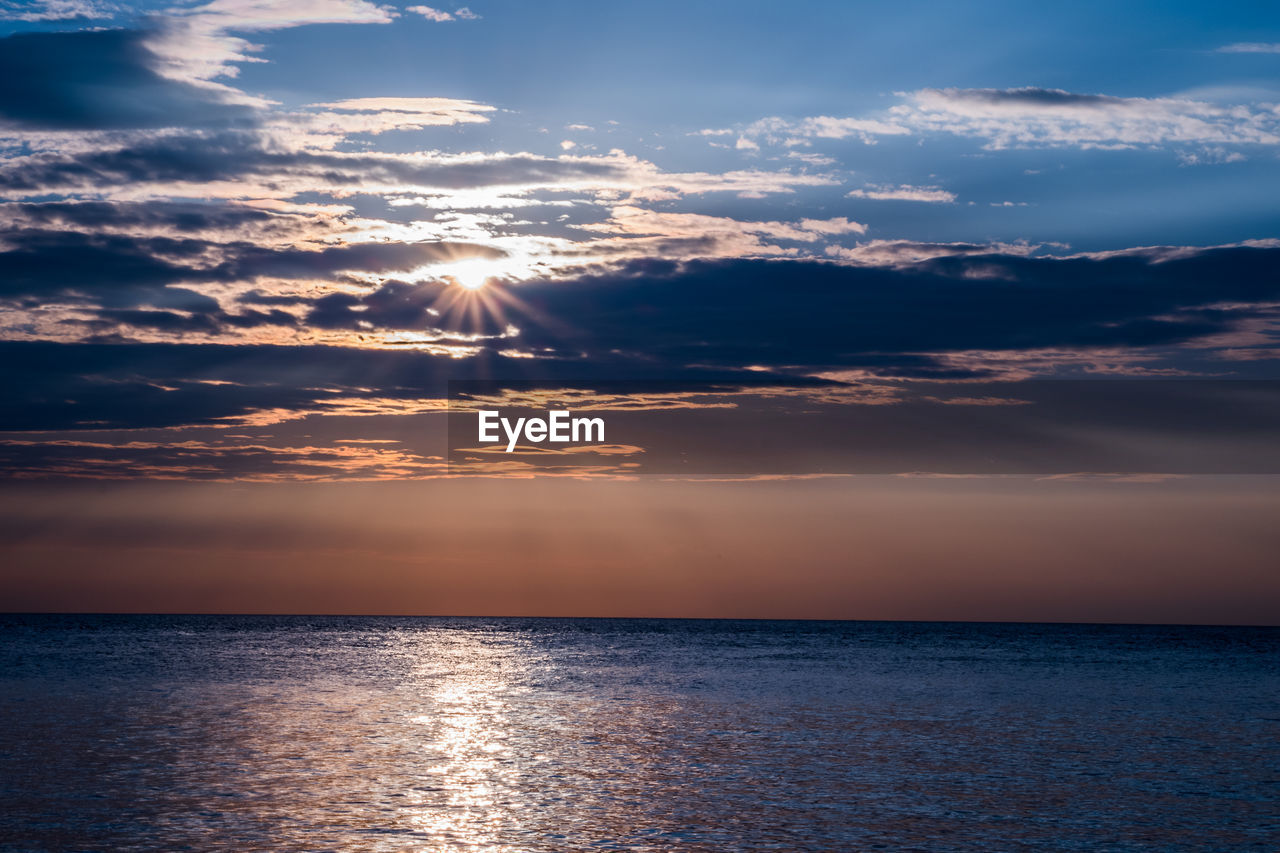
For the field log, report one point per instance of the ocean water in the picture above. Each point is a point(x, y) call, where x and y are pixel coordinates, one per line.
point(305, 733)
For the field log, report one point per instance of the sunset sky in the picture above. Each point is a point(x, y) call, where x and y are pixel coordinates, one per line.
point(817, 260)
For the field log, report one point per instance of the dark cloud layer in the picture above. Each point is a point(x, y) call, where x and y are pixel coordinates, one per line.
point(815, 314)
point(99, 80)
point(235, 155)
point(679, 322)
point(123, 271)
point(1032, 96)
point(51, 386)
point(188, 216)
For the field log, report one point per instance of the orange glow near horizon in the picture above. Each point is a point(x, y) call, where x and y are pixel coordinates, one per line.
point(1184, 551)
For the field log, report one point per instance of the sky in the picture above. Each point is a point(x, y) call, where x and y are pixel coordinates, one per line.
point(905, 310)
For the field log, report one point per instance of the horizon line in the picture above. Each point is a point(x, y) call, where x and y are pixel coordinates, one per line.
point(227, 614)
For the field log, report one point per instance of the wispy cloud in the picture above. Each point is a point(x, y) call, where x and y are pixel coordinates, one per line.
point(903, 192)
point(906, 252)
point(197, 45)
point(56, 10)
point(326, 124)
point(104, 80)
point(1029, 117)
point(1250, 47)
point(793, 132)
point(648, 233)
point(248, 165)
point(440, 16)
point(1032, 117)
point(212, 460)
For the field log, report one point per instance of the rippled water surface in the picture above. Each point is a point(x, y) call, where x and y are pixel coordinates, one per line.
point(303, 733)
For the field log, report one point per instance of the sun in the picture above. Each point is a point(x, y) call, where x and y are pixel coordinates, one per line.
point(472, 273)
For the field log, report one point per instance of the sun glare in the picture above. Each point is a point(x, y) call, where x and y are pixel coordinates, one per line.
point(471, 274)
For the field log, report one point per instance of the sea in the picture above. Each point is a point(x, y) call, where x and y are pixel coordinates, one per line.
point(305, 733)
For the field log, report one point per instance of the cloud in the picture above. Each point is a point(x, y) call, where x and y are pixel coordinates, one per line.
point(56, 10)
point(449, 110)
point(1250, 47)
point(1033, 117)
point(155, 386)
point(240, 164)
point(1210, 154)
point(257, 462)
point(782, 312)
point(811, 159)
point(68, 286)
point(54, 262)
point(399, 305)
point(890, 297)
point(119, 79)
point(649, 233)
point(728, 323)
point(794, 315)
point(1114, 426)
point(790, 132)
point(101, 79)
point(244, 165)
point(648, 183)
point(196, 45)
point(263, 223)
point(325, 125)
point(431, 14)
point(153, 203)
point(900, 252)
point(211, 460)
point(903, 192)
point(130, 385)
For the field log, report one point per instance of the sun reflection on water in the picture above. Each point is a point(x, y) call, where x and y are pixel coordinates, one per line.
point(465, 735)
